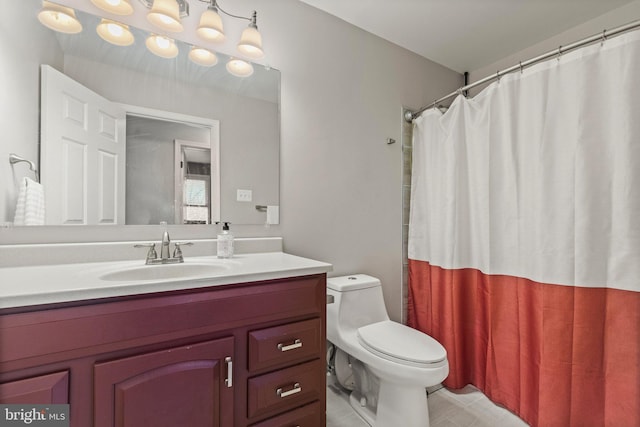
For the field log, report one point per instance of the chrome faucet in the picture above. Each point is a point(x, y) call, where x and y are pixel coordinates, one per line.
point(164, 249)
point(165, 257)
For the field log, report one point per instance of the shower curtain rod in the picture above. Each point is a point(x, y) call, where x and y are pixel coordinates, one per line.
point(410, 116)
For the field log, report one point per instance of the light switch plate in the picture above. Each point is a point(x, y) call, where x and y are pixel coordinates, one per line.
point(244, 195)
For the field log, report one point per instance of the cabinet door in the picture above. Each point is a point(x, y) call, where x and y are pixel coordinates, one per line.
point(181, 386)
point(44, 389)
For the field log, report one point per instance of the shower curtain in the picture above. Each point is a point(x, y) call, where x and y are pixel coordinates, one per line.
point(524, 237)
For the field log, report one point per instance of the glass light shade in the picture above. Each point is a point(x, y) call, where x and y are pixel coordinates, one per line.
point(210, 27)
point(115, 32)
point(250, 44)
point(202, 56)
point(239, 67)
point(59, 18)
point(117, 7)
point(162, 46)
point(165, 14)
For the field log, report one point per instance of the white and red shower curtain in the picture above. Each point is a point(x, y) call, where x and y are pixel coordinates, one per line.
point(524, 237)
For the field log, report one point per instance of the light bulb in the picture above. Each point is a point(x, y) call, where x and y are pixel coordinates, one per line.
point(203, 57)
point(165, 14)
point(117, 7)
point(115, 32)
point(162, 46)
point(59, 18)
point(239, 67)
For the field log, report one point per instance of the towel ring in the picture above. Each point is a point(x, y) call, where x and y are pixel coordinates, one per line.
point(14, 158)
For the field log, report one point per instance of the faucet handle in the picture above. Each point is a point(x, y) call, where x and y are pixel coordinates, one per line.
point(177, 252)
point(152, 254)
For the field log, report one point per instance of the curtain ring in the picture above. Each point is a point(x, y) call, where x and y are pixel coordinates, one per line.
point(435, 104)
point(520, 67)
point(498, 76)
point(559, 52)
point(604, 37)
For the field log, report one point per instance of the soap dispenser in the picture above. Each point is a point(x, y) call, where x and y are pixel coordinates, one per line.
point(225, 242)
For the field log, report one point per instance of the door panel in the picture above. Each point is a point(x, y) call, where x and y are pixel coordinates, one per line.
point(41, 390)
point(181, 386)
point(79, 129)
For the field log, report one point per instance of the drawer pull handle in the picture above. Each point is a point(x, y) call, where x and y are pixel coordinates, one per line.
point(229, 380)
point(296, 344)
point(296, 389)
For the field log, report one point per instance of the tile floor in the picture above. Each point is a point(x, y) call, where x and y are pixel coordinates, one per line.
point(460, 408)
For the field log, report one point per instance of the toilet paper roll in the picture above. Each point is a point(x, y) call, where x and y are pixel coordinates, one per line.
point(273, 215)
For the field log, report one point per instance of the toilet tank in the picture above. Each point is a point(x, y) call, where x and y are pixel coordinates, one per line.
point(358, 301)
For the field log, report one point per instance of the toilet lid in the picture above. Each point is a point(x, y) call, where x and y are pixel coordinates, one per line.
point(397, 341)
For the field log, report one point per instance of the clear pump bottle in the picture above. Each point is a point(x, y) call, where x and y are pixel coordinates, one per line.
point(225, 241)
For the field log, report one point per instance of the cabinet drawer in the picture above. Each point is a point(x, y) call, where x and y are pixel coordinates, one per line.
point(286, 389)
point(285, 344)
point(308, 416)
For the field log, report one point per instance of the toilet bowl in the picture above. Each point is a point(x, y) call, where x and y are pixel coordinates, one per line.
point(403, 360)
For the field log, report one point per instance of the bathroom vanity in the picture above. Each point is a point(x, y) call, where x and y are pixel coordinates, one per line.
point(243, 347)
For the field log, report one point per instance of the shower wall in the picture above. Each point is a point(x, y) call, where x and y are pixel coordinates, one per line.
point(407, 136)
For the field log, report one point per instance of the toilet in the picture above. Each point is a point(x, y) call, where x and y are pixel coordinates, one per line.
point(388, 365)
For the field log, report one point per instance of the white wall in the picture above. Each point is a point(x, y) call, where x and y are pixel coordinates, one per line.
point(20, 89)
point(342, 94)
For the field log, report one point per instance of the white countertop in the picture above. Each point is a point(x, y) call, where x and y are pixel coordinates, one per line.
point(46, 284)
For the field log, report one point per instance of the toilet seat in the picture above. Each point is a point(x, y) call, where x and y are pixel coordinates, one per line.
point(401, 344)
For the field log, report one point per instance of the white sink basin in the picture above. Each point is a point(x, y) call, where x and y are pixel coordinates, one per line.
point(165, 271)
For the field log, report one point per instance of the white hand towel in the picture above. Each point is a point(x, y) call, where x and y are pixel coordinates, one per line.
point(273, 215)
point(30, 206)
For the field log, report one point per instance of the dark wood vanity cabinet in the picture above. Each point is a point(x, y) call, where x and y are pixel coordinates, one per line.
point(248, 354)
point(42, 389)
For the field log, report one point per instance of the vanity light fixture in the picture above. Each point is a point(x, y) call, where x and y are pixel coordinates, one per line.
point(210, 29)
point(162, 46)
point(59, 18)
point(202, 56)
point(251, 41)
point(117, 7)
point(239, 67)
point(165, 14)
point(115, 32)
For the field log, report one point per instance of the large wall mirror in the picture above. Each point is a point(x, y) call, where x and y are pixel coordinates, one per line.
point(194, 138)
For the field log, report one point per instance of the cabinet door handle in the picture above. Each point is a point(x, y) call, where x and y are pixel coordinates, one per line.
point(229, 380)
point(296, 344)
point(296, 389)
